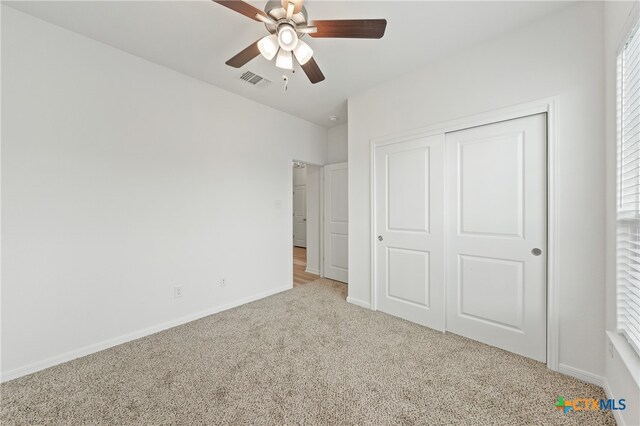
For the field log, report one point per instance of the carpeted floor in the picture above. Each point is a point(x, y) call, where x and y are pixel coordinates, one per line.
point(304, 356)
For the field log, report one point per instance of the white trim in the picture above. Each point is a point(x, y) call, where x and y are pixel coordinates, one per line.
point(553, 289)
point(289, 213)
point(585, 376)
point(489, 117)
point(616, 413)
point(106, 344)
point(321, 265)
point(312, 271)
point(359, 302)
point(372, 234)
point(548, 106)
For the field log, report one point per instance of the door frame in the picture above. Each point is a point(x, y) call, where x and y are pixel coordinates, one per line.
point(545, 105)
point(290, 216)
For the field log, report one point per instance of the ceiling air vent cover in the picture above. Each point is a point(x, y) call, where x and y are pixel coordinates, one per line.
point(254, 79)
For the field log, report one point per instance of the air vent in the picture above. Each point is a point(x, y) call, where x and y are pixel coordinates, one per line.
point(254, 79)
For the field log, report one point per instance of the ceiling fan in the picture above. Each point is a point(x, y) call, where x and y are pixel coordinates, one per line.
point(287, 23)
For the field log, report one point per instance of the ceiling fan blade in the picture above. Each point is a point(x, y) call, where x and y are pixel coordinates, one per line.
point(242, 8)
point(306, 30)
point(312, 70)
point(245, 56)
point(266, 19)
point(349, 28)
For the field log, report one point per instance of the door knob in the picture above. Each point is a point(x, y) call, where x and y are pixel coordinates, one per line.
point(380, 238)
point(536, 252)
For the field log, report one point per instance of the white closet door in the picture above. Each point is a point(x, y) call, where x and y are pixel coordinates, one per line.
point(336, 222)
point(409, 230)
point(496, 236)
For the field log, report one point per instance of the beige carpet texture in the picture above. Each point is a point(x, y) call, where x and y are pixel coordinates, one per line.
point(304, 356)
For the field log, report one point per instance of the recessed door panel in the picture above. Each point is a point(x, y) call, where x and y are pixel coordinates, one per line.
point(338, 194)
point(408, 190)
point(491, 290)
point(339, 251)
point(491, 195)
point(408, 278)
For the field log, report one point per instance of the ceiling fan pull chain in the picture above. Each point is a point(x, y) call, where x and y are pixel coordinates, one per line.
point(286, 82)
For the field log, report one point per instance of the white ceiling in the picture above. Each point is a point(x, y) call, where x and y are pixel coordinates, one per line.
point(197, 37)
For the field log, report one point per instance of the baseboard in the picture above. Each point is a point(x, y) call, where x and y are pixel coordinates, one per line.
point(585, 376)
point(617, 414)
point(106, 344)
point(312, 271)
point(359, 302)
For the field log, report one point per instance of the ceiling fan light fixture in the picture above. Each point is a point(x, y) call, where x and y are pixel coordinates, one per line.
point(268, 46)
point(302, 52)
point(284, 60)
point(287, 37)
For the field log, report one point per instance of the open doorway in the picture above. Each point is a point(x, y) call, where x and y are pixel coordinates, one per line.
point(306, 222)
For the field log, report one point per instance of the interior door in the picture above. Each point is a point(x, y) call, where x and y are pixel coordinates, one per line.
point(496, 236)
point(409, 230)
point(336, 222)
point(300, 216)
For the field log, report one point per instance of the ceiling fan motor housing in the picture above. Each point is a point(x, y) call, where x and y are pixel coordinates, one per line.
point(274, 8)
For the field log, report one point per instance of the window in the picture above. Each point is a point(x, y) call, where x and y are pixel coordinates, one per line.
point(628, 203)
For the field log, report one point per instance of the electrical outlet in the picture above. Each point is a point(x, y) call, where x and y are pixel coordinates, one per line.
point(177, 291)
point(223, 282)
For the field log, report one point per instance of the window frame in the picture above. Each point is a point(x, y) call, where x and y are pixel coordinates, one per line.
point(627, 219)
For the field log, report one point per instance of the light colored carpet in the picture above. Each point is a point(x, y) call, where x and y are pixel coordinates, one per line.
point(304, 356)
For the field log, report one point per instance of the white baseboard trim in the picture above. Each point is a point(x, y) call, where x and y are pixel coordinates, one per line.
point(312, 271)
point(616, 413)
point(585, 376)
point(106, 344)
point(359, 302)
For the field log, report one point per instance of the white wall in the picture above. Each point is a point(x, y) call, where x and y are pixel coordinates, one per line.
point(621, 363)
point(122, 179)
point(337, 149)
point(300, 175)
point(559, 56)
point(314, 192)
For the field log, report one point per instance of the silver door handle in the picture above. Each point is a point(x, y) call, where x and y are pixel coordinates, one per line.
point(380, 238)
point(536, 252)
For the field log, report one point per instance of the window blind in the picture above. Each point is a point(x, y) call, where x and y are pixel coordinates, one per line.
point(628, 217)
